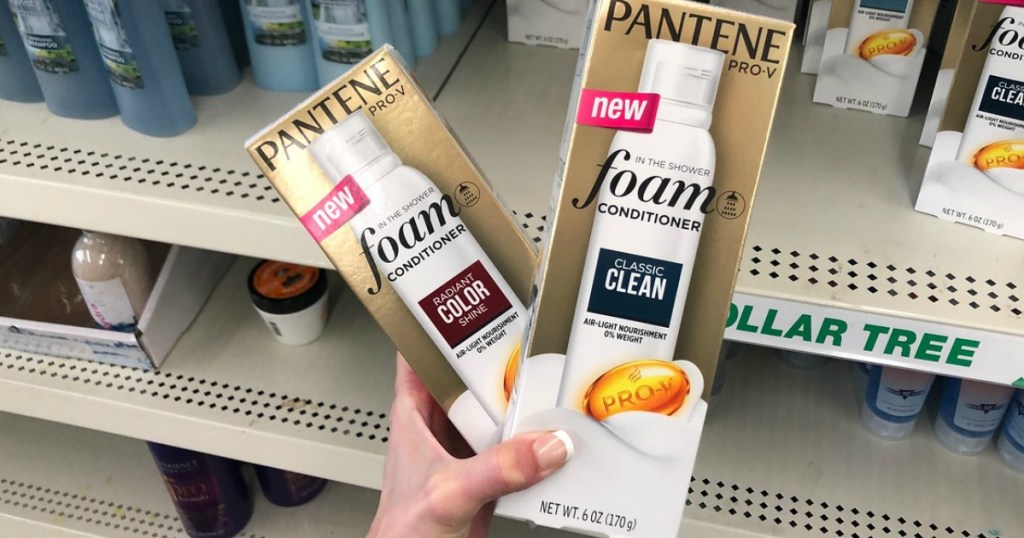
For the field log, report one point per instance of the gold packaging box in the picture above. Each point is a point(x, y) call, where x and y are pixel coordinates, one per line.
point(384, 90)
point(610, 455)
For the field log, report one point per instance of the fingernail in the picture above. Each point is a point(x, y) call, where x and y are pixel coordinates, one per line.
point(553, 450)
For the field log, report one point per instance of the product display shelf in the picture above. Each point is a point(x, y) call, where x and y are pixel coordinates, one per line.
point(198, 189)
point(787, 458)
point(57, 480)
point(229, 388)
point(833, 234)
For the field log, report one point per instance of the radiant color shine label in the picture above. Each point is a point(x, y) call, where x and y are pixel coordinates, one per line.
point(465, 304)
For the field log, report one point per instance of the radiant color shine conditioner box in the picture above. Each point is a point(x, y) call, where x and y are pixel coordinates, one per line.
point(671, 112)
point(974, 172)
point(374, 175)
point(873, 54)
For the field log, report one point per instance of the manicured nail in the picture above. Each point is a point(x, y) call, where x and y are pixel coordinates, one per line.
point(553, 450)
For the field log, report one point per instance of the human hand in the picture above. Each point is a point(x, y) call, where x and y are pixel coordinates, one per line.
point(433, 486)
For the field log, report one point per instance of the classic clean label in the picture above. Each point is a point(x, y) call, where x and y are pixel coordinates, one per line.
point(636, 288)
point(1003, 97)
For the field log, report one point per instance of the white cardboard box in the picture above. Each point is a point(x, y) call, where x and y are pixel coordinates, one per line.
point(556, 23)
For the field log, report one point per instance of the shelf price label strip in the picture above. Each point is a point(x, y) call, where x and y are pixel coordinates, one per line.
point(947, 350)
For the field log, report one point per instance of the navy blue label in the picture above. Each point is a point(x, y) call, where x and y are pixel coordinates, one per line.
point(635, 288)
point(899, 6)
point(1003, 97)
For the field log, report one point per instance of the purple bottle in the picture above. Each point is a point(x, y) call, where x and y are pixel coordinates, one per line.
point(208, 491)
point(285, 488)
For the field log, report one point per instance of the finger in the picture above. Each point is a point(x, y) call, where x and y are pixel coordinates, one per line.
point(408, 385)
point(508, 467)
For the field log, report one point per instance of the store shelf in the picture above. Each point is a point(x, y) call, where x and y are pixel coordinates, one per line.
point(782, 459)
point(833, 233)
point(58, 481)
point(229, 388)
point(199, 189)
point(62, 481)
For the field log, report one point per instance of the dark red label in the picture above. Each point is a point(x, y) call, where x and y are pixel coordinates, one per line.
point(465, 304)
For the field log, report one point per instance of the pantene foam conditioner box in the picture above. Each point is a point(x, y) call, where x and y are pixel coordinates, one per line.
point(873, 54)
point(675, 103)
point(974, 172)
point(377, 179)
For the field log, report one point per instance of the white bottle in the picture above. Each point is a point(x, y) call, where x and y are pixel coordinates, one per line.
point(1011, 443)
point(114, 275)
point(893, 400)
point(637, 271)
point(970, 415)
point(871, 16)
point(414, 238)
point(997, 112)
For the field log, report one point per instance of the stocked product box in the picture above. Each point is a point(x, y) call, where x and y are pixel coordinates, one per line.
point(784, 10)
point(974, 172)
point(873, 54)
point(815, 30)
point(944, 79)
point(557, 23)
point(373, 173)
point(670, 118)
point(42, 310)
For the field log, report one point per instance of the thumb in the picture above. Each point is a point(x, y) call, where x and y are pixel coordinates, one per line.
point(511, 466)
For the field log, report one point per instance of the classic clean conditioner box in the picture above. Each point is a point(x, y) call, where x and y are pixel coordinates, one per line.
point(374, 175)
point(672, 109)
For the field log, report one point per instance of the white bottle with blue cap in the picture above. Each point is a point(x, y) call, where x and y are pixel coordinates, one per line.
point(416, 241)
point(893, 400)
point(649, 196)
point(970, 414)
point(1011, 442)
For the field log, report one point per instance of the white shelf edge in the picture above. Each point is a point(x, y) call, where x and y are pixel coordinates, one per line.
point(818, 467)
point(335, 463)
point(988, 363)
point(167, 199)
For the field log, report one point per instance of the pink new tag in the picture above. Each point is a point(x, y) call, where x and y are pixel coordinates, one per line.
point(625, 111)
point(344, 201)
